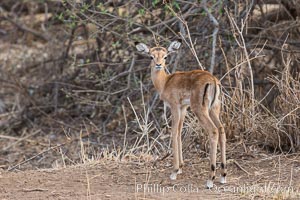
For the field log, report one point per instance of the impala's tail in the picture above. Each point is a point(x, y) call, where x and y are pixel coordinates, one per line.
point(217, 93)
point(211, 94)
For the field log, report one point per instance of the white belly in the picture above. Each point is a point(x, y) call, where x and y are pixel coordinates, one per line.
point(185, 102)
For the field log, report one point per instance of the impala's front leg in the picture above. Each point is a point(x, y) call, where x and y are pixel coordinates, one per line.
point(182, 116)
point(175, 146)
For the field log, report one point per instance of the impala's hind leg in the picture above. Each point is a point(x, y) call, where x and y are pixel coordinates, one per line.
point(209, 126)
point(214, 115)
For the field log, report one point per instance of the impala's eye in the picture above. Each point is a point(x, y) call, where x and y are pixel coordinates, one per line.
point(165, 57)
point(152, 57)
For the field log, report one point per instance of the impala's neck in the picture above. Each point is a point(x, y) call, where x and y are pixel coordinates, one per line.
point(159, 78)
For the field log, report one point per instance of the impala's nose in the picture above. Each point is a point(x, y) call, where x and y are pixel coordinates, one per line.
point(158, 66)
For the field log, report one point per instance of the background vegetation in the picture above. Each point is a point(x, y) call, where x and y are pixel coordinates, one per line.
point(73, 87)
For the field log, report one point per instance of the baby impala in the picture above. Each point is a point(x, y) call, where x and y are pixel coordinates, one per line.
point(198, 89)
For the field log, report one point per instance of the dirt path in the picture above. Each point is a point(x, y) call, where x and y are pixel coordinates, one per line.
point(276, 177)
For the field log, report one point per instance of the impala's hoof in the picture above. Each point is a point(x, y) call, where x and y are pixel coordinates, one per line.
point(209, 184)
point(223, 179)
point(179, 171)
point(173, 176)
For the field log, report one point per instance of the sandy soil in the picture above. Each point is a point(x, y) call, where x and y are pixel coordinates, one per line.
point(263, 177)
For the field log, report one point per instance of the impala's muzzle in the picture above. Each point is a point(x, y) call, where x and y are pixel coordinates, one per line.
point(158, 67)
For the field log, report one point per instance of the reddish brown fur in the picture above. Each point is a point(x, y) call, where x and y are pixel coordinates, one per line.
point(198, 89)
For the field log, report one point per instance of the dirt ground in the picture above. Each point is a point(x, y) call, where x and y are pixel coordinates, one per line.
point(262, 177)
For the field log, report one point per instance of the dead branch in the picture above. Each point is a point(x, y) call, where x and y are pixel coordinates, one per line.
point(214, 35)
point(33, 157)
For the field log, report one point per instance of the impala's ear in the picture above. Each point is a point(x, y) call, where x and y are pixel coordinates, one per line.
point(174, 46)
point(141, 47)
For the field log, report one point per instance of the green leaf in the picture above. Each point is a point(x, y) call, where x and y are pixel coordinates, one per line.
point(142, 11)
point(155, 2)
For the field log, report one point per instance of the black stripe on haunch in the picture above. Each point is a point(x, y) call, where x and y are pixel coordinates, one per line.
point(205, 91)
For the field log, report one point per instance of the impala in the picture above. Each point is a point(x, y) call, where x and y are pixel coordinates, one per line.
point(198, 89)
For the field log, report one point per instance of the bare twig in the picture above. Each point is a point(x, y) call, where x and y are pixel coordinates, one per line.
point(33, 157)
point(34, 190)
point(239, 166)
point(242, 44)
point(214, 35)
point(190, 43)
point(20, 140)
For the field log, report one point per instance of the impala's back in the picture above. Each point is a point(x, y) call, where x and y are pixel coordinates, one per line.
point(182, 87)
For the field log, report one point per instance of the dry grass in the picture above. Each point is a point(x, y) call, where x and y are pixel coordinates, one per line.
point(276, 126)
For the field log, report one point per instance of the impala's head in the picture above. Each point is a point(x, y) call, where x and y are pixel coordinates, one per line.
point(158, 54)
